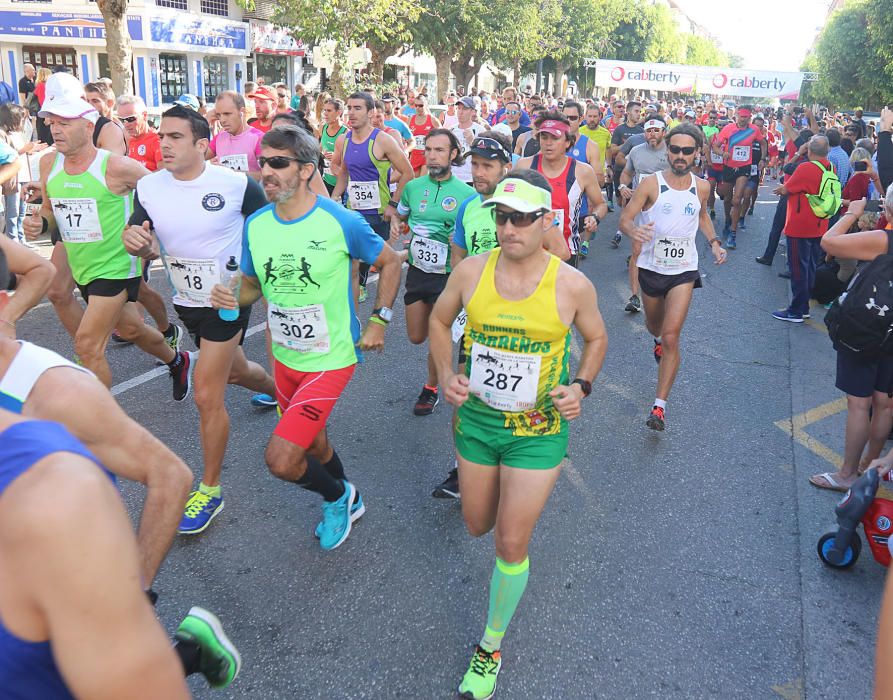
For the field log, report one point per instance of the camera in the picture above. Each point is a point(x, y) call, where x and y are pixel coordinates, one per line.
point(860, 166)
point(873, 205)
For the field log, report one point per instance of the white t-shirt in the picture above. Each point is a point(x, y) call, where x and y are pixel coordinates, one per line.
point(199, 225)
point(463, 172)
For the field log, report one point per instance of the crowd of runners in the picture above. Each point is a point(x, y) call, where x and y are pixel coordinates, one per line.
point(251, 206)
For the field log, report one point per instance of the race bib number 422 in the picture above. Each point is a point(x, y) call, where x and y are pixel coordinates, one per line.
point(78, 220)
point(301, 328)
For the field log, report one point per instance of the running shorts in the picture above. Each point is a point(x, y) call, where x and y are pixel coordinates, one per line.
point(111, 288)
point(202, 322)
point(655, 284)
point(857, 377)
point(732, 174)
point(485, 444)
point(714, 174)
point(423, 286)
point(306, 400)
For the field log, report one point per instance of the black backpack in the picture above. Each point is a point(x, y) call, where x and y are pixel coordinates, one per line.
point(861, 319)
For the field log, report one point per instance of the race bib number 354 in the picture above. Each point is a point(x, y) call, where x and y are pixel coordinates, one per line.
point(364, 195)
point(301, 328)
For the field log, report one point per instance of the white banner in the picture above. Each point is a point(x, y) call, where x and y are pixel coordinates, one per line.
point(707, 80)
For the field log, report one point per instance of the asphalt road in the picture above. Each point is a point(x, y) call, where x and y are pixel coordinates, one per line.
point(673, 565)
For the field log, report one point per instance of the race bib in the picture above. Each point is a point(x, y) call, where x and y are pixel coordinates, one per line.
point(741, 154)
point(236, 161)
point(673, 253)
point(193, 277)
point(364, 195)
point(429, 255)
point(420, 143)
point(78, 220)
point(327, 166)
point(753, 170)
point(559, 219)
point(302, 328)
point(716, 158)
point(459, 326)
point(505, 381)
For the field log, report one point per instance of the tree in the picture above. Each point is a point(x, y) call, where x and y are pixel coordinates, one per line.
point(118, 46)
point(348, 24)
point(647, 33)
point(703, 52)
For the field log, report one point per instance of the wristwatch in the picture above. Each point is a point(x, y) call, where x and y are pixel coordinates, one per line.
point(584, 385)
point(384, 313)
point(714, 240)
point(392, 203)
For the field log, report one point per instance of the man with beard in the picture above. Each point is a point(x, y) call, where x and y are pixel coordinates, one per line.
point(298, 254)
point(663, 217)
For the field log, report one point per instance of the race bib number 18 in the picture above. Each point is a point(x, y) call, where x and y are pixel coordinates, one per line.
point(193, 278)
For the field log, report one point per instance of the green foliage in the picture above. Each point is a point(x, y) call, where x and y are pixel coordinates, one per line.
point(703, 52)
point(853, 57)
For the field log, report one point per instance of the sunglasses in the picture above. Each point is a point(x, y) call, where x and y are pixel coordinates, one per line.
point(278, 162)
point(128, 120)
point(518, 218)
point(572, 119)
point(685, 150)
point(488, 144)
point(419, 105)
point(513, 112)
point(281, 95)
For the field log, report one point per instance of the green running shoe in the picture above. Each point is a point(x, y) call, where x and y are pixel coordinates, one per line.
point(219, 659)
point(363, 293)
point(479, 682)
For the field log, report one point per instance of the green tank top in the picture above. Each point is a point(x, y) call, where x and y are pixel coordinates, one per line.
point(327, 143)
point(476, 227)
point(90, 220)
point(432, 208)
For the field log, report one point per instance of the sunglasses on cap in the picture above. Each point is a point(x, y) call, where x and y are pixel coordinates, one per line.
point(518, 218)
point(684, 150)
point(487, 144)
point(278, 162)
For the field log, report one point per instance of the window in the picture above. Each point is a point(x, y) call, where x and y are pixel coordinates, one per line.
point(174, 83)
point(174, 4)
point(215, 7)
point(216, 78)
point(50, 57)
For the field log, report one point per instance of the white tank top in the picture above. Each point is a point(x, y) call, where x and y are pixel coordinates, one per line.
point(28, 365)
point(675, 216)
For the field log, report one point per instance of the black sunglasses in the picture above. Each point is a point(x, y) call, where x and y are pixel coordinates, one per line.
point(128, 120)
point(685, 150)
point(518, 218)
point(488, 144)
point(278, 162)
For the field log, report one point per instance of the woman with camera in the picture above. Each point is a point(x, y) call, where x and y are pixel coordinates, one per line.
point(868, 383)
point(863, 175)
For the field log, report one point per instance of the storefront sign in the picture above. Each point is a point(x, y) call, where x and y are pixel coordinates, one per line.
point(267, 38)
point(697, 79)
point(180, 31)
point(62, 25)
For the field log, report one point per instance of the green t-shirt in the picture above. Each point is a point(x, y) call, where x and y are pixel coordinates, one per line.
point(90, 220)
point(327, 144)
point(709, 132)
point(475, 226)
point(304, 271)
point(432, 208)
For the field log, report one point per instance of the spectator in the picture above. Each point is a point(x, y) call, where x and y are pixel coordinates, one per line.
point(859, 122)
point(781, 213)
point(858, 186)
point(885, 148)
point(26, 90)
point(40, 91)
point(143, 144)
point(867, 384)
point(838, 157)
point(803, 229)
point(300, 91)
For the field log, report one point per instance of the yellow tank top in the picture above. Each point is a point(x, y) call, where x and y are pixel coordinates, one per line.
point(517, 353)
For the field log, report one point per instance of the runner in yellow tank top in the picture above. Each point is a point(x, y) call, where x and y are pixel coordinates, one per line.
point(514, 399)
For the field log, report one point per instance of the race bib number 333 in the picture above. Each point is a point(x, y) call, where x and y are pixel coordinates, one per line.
point(301, 328)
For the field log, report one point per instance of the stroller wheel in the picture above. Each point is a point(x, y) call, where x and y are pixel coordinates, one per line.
point(850, 555)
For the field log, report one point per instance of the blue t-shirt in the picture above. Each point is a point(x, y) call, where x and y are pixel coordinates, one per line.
point(399, 125)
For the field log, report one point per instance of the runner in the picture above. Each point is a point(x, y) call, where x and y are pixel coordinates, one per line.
point(430, 204)
point(712, 160)
point(758, 163)
point(643, 160)
point(29, 275)
point(586, 151)
point(734, 143)
point(107, 134)
point(142, 141)
point(620, 131)
point(422, 123)
point(265, 101)
point(197, 212)
point(391, 120)
point(314, 326)
point(369, 157)
point(90, 227)
point(570, 181)
point(465, 131)
point(332, 110)
point(663, 217)
point(237, 145)
point(60, 607)
point(513, 121)
point(593, 129)
point(515, 398)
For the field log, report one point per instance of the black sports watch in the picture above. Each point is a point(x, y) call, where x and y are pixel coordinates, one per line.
point(584, 385)
point(384, 313)
point(392, 203)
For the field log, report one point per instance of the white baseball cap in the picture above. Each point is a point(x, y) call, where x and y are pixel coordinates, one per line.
point(63, 84)
point(68, 106)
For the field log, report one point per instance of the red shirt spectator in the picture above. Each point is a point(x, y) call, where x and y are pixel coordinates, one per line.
point(800, 221)
point(146, 148)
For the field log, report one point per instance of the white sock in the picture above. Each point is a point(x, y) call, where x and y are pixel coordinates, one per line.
point(660, 403)
point(657, 340)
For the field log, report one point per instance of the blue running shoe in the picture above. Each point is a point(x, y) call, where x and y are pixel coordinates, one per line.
point(356, 512)
point(336, 519)
point(263, 401)
point(200, 510)
point(730, 241)
point(742, 224)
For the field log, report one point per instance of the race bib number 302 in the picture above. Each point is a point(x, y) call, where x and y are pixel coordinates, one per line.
point(78, 220)
point(192, 277)
point(505, 381)
point(301, 328)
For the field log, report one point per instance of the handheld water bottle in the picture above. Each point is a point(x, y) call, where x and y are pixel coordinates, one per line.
point(232, 279)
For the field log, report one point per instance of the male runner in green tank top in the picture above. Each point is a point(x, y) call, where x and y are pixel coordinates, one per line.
point(87, 197)
point(332, 110)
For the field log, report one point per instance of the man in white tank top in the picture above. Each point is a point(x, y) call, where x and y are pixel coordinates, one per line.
point(663, 217)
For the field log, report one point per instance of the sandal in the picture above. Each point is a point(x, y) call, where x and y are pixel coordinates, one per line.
point(829, 483)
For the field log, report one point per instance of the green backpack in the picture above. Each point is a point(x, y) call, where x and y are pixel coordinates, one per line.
point(826, 203)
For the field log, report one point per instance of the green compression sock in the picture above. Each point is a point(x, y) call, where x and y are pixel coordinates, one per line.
point(506, 588)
